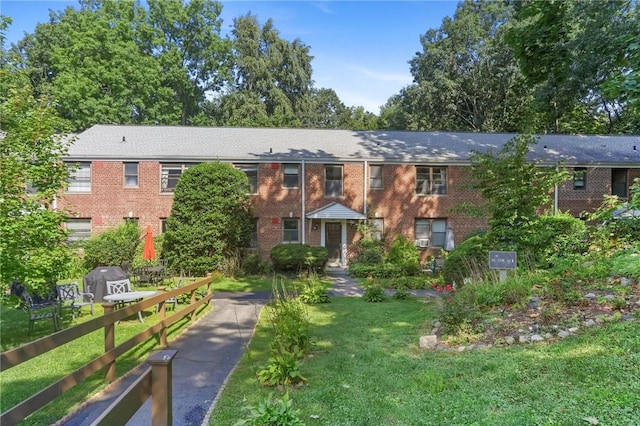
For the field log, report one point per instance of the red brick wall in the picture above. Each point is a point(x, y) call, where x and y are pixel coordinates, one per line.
point(397, 203)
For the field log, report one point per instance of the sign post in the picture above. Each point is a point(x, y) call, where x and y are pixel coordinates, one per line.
point(503, 261)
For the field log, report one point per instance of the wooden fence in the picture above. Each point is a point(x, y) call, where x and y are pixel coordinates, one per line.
point(17, 356)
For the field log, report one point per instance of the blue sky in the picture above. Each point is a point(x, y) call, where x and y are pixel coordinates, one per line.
point(361, 49)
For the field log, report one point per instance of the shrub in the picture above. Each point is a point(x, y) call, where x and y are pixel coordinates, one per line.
point(404, 254)
point(468, 260)
point(401, 294)
point(112, 247)
point(368, 252)
point(253, 264)
point(314, 293)
point(374, 293)
point(211, 217)
point(458, 310)
point(557, 236)
point(297, 257)
point(272, 412)
point(283, 367)
point(383, 270)
point(289, 319)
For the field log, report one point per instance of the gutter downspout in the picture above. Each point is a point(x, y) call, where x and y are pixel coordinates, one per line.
point(303, 203)
point(364, 185)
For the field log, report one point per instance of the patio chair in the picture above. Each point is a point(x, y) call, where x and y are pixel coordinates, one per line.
point(69, 296)
point(119, 286)
point(40, 311)
point(174, 300)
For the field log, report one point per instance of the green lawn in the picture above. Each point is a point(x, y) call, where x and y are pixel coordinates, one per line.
point(366, 369)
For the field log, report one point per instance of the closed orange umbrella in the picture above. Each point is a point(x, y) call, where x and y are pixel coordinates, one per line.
point(149, 252)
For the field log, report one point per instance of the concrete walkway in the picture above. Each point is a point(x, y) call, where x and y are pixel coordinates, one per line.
point(208, 352)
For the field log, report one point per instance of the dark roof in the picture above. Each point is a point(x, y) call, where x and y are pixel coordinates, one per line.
point(176, 143)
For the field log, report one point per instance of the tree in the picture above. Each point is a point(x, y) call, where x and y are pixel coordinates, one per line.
point(567, 50)
point(272, 77)
point(33, 244)
point(211, 218)
point(514, 189)
point(465, 78)
point(195, 60)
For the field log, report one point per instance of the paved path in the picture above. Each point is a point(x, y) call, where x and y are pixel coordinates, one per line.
point(208, 351)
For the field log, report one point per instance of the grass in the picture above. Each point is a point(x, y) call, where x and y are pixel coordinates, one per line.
point(366, 368)
point(30, 377)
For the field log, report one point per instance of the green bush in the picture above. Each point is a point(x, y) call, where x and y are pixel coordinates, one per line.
point(272, 412)
point(298, 257)
point(113, 246)
point(283, 367)
point(401, 294)
point(470, 259)
point(556, 237)
point(458, 310)
point(314, 293)
point(253, 264)
point(404, 254)
point(368, 252)
point(627, 264)
point(383, 270)
point(289, 319)
point(374, 293)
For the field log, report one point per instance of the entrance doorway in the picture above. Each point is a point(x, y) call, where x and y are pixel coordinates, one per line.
point(333, 241)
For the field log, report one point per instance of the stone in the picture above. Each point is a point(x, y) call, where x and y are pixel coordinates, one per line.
point(548, 335)
point(590, 323)
point(429, 342)
point(590, 296)
point(509, 340)
point(573, 330)
point(461, 349)
point(523, 339)
point(562, 334)
point(609, 297)
point(436, 324)
point(625, 282)
point(537, 338)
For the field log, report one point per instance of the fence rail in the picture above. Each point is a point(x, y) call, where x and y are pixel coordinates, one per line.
point(17, 356)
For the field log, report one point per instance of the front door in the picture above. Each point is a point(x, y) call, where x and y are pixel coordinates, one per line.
point(333, 241)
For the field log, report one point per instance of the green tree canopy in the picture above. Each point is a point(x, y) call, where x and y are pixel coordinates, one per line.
point(211, 218)
point(33, 244)
point(466, 77)
point(514, 188)
point(567, 51)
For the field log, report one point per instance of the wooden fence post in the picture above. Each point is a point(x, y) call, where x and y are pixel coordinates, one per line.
point(109, 343)
point(161, 387)
point(162, 313)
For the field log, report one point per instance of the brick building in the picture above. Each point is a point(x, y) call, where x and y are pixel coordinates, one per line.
point(314, 186)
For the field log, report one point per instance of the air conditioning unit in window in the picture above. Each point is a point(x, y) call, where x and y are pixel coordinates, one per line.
point(423, 243)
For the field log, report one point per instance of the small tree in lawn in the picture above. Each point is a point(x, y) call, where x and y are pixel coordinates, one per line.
point(33, 243)
point(211, 218)
point(515, 189)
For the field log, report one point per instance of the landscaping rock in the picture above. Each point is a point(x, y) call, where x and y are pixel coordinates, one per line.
point(562, 334)
point(537, 338)
point(590, 296)
point(429, 342)
point(590, 323)
point(510, 340)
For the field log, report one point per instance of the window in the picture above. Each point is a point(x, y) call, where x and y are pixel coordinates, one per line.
point(377, 228)
point(79, 177)
point(291, 175)
point(291, 233)
point(79, 229)
point(579, 178)
point(169, 175)
point(253, 243)
point(163, 225)
point(251, 170)
point(333, 181)
point(131, 174)
point(430, 232)
point(375, 177)
point(431, 180)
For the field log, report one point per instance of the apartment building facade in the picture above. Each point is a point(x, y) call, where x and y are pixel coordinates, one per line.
point(315, 186)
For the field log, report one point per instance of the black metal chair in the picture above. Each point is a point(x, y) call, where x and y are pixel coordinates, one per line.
point(40, 311)
point(69, 296)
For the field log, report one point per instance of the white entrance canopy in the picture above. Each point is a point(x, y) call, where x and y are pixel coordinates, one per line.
point(335, 211)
